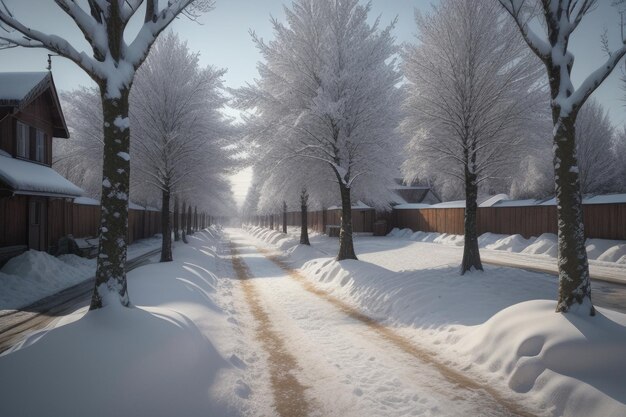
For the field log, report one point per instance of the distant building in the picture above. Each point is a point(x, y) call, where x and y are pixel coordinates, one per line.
point(30, 117)
point(414, 193)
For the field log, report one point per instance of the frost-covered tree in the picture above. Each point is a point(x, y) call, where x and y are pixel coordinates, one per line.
point(619, 149)
point(472, 89)
point(559, 20)
point(290, 180)
point(79, 159)
point(327, 91)
point(179, 131)
point(597, 161)
point(192, 160)
point(112, 65)
point(597, 158)
point(535, 179)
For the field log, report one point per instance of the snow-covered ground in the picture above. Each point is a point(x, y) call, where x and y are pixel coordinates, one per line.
point(600, 250)
point(499, 326)
point(607, 258)
point(485, 344)
point(177, 352)
point(34, 275)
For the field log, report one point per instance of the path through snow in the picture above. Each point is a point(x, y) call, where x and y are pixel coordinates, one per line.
point(350, 365)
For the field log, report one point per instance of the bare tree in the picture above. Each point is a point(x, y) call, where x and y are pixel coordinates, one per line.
point(560, 18)
point(328, 92)
point(472, 88)
point(112, 67)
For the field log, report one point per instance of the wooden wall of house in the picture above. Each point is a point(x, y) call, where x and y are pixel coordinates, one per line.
point(7, 143)
point(38, 114)
point(14, 221)
point(85, 220)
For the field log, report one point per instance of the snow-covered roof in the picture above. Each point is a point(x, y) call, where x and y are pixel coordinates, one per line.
point(19, 89)
point(22, 177)
point(134, 206)
point(499, 200)
point(493, 200)
point(518, 203)
point(606, 199)
point(412, 206)
point(359, 205)
point(450, 204)
point(15, 86)
point(86, 201)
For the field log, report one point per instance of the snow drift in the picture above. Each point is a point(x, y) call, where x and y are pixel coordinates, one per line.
point(499, 326)
point(167, 355)
point(34, 275)
point(602, 250)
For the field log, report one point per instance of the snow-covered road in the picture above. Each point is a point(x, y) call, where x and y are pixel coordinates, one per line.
point(349, 365)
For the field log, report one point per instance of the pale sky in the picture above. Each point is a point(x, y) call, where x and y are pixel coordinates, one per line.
point(223, 40)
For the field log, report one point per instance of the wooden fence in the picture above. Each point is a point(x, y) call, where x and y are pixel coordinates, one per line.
point(602, 221)
point(362, 220)
point(64, 217)
point(82, 220)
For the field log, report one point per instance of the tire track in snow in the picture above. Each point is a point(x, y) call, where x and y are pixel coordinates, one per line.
point(451, 375)
point(289, 398)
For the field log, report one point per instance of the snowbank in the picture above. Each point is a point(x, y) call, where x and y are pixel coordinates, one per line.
point(34, 275)
point(546, 244)
point(499, 326)
point(602, 250)
point(167, 356)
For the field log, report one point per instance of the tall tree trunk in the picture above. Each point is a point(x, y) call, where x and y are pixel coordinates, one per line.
point(346, 245)
point(471, 253)
point(271, 222)
point(574, 283)
point(166, 245)
point(304, 223)
point(176, 221)
point(184, 221)
point(195, 218)
point(189, 221)
point(284, 217)
point(111, 272)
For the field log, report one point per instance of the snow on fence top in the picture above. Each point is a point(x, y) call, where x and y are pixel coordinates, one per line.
point(86, 201)
point(501, 200)
point(24, 177)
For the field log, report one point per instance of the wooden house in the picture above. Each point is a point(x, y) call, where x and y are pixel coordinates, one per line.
point(30, 117)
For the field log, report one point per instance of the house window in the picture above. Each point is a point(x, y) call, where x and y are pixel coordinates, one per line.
point(23, 139)
point(40, 146)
